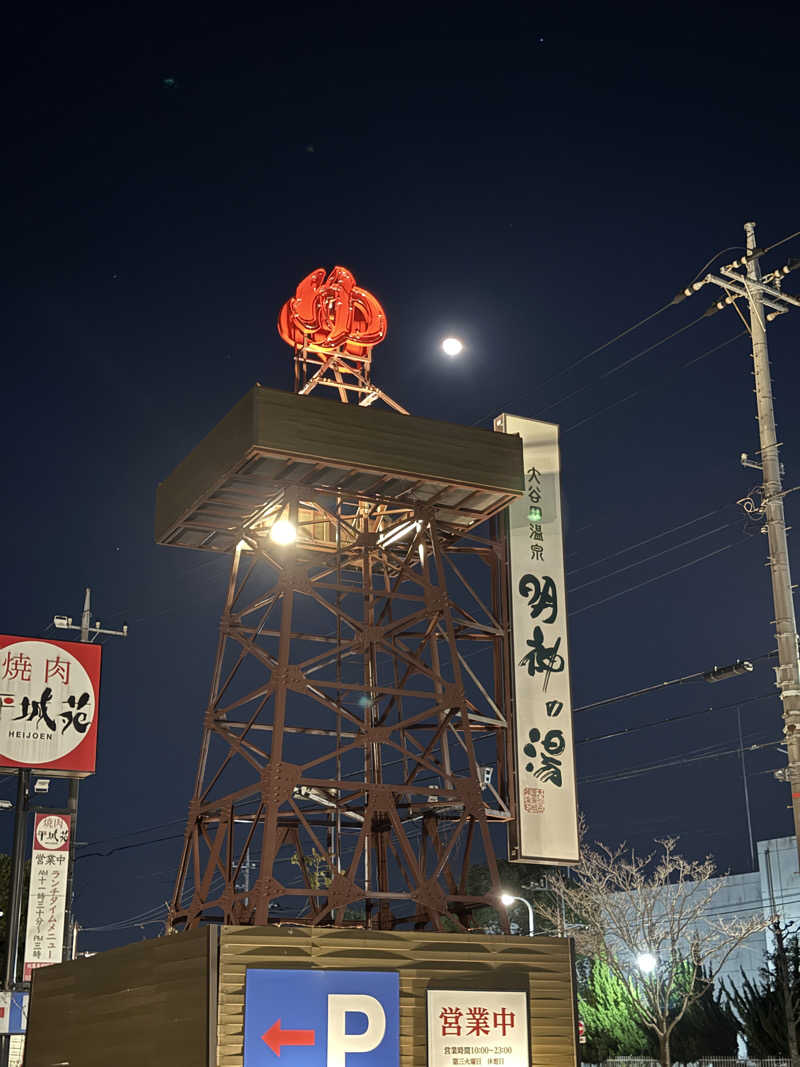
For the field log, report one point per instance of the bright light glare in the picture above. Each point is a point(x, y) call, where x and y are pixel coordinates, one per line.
point(506, 899)
point(451, 346)
point(646, 962)
point(283, 532)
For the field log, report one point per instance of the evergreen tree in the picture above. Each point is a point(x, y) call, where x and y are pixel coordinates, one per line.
point(604, 1007)
point(520, 880)
point(761, 1004)
point(709, 1027)
point(5, 906)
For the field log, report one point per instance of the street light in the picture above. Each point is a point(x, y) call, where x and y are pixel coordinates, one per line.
point(451, 346)
point(507, 900)
point(646, 962)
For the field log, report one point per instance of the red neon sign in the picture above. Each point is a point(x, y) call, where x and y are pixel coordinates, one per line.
point(332, 314)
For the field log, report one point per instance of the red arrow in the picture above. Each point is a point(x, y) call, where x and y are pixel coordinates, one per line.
point(275, 1037)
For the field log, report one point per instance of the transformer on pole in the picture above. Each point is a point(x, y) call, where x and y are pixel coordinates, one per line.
point(355, 747)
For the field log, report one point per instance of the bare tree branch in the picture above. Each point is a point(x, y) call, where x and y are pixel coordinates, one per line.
point(626, 908)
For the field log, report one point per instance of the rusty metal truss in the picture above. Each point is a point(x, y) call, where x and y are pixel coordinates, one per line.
point(356, 749)
point(349, 375)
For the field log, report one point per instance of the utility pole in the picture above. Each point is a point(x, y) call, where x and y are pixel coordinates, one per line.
point(15, 896)
point(88, 634)
point(762, 292)
point(17, 877)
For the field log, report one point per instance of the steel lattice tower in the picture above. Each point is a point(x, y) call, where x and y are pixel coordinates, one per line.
point(355, 746)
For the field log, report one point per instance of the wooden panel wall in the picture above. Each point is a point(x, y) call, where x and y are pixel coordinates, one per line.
point(420, 958)
point(344, 435)
point(380, 440)
point(145, 1005)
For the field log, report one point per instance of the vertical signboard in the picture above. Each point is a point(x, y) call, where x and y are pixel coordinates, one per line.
point(48, 705)
point(486, 1028)
point(546, 825)
point(16, 1050)
point(47, 896)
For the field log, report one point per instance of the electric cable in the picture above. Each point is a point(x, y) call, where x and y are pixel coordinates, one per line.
point(126, 613)
point(656, 384)
point(131, 833)
point(588, 355)
point(658, 685)
point(704, 268)
point(672, 719)
point(782, 241)
point(648, 540)
point(637, 772)
point(623, 363)
point(658, 577)
point(652, 556)
point(126, 848)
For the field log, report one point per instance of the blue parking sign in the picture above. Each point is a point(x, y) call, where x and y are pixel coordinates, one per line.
point(13, 1013)
point(321, 1018)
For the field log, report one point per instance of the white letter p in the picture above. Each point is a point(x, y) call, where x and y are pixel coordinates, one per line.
point(339, 1041)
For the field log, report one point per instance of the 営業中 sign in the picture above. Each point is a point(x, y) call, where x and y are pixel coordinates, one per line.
point(321, 1018)
point(546, 825)
point(48, 705)
point(486, 1028)
point(47, 895)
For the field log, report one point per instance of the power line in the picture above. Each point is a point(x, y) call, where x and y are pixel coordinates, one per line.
point(624, 363)
point(782, 241)
point(704, 268)
point(656, 384)
point(648, 540)
point(658, 577)
point(651, 348)
point(658, 685)
point(636, 772)
point(142, 916)
point(132, 833)
point(588, 355)
point(125, 848)
point(216, 561)
point(654, 555)
point(671, 719)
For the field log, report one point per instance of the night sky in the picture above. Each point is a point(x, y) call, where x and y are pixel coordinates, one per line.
point(532, 182)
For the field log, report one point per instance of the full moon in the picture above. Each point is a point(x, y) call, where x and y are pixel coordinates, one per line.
point(451, 346)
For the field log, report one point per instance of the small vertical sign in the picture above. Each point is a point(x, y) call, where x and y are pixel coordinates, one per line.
point(486, 1028)
point(47, 896)
point(546, 825)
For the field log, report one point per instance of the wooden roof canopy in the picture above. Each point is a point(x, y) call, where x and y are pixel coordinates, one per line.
point(273, 439)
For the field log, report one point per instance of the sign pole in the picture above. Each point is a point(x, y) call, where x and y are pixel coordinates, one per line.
point(15, 905)
point(88, 632)
point(72, 806)
point(17, 877)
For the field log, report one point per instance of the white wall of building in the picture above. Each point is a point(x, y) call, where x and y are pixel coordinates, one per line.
point(773, 889)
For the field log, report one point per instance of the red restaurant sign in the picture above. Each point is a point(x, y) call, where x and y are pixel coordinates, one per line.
point(48, 705)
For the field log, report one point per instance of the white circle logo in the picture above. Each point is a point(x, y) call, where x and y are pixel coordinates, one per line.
point(47, 703)
point(52, 832)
